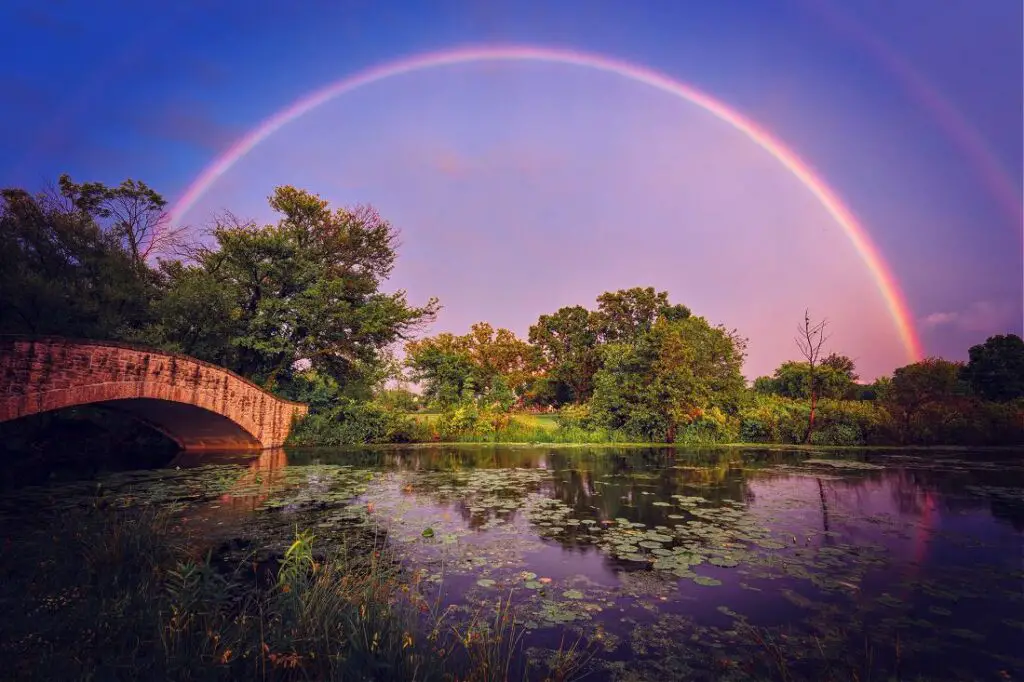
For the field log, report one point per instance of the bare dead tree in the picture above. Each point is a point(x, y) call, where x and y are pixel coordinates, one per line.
point(810, 339)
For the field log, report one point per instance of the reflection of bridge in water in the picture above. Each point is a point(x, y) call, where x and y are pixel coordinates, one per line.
point(198, 405)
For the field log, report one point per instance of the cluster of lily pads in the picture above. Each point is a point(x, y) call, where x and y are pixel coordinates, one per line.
point(718, 535)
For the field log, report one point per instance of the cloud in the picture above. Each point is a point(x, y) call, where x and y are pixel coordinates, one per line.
point(980, 316)
point(190, 124)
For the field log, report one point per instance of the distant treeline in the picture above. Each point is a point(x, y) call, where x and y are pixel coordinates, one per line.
point(296, 306)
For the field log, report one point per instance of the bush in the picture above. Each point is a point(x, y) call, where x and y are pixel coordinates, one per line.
point(575, 417)
point(711, 427)
point(853, 422)
point(353, 422)
point(773, 419)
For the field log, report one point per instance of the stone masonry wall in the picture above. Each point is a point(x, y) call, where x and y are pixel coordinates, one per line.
point(38, 375)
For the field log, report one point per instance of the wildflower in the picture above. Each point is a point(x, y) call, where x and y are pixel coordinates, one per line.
point(406, 640)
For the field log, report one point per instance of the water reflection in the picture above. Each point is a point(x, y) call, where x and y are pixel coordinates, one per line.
point(915, 551)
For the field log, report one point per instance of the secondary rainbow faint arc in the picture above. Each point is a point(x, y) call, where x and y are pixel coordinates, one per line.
point(856, 233)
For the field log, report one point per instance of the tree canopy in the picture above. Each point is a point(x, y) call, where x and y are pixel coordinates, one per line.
point(670, 377)
point(304, 290)
point(995, 370)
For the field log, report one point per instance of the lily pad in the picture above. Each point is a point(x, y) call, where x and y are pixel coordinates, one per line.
point(707, 581)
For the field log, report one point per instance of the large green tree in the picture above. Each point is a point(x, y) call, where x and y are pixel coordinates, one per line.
point(477, 364)
point(303, 292)
point(567, 342)
point(626, 314)
point(668, 378)
point(927, 391)
point(995, 370)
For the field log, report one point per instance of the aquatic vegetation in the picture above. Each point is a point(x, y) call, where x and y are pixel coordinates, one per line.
point(601, 557)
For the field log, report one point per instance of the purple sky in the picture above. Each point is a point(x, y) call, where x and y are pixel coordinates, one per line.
point(520, 188)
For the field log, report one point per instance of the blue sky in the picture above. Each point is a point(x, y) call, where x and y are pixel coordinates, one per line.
point(523, 187)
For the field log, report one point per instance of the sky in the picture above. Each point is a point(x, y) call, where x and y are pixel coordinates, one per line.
point(523, 186)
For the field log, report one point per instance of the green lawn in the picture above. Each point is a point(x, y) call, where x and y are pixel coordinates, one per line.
point(543, 421)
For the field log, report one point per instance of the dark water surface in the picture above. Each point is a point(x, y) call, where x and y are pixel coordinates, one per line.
point(663, 563)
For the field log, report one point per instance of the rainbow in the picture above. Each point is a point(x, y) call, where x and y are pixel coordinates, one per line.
point(998, 182)
point(856, 232)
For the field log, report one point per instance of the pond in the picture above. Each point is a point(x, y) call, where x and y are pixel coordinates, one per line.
point(662, 564)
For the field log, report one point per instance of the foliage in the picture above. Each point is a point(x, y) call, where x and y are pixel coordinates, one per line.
point(62, 274)
point(668, 379)
point(833, 378)
point(995, 370)
point(575, 417)
point(484, 362)
point(773, 419)
point(925, 392)
point(567, 343)
point(305, 289)
point(352, 422)
point(627, 314)
point(133, 213)
point(398, 399)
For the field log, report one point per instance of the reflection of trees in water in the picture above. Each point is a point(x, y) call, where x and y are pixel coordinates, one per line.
point(956, 491)
point(628, 485)
point(949, 486)
point(609, 483)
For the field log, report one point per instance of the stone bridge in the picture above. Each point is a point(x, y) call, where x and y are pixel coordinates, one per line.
point(198, 405)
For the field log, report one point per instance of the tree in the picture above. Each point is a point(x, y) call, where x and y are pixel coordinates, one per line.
point(810, 339)
point(668, 378)
point(929, 384)
point(443, 365)
point(62, 273)
point(132, 212)
point(626, 314)
point(304, 289)
point(995, 370)
point(476, 364)
point(500, 354)
point(567, 342)
point(834, 378)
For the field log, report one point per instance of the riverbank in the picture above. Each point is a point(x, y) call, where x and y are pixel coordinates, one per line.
point(133, 593)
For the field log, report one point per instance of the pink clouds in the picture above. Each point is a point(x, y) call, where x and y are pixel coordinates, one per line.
point(988, 317)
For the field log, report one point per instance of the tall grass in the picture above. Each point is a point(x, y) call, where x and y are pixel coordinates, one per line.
point(119, 596)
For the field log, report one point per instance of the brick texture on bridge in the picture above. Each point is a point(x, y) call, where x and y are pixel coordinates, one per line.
point(199, 405)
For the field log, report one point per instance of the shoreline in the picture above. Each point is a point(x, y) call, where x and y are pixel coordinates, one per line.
point(662, 446)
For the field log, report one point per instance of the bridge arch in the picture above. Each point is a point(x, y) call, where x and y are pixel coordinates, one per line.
point(197, 404)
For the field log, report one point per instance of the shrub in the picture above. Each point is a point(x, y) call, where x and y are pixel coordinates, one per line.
point(711, 427)
point(353, 422)
point(773, 419)
point(575, 417)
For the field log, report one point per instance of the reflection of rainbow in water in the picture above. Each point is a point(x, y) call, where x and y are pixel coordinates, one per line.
point(829, 200)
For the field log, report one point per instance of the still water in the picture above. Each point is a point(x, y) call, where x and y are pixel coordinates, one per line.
point(666, 564)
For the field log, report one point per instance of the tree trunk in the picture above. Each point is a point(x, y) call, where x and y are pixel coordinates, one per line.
point(810, 421)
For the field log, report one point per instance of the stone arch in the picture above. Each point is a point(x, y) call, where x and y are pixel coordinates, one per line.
point(197, 404)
